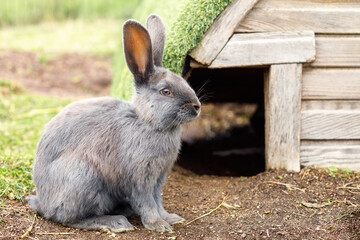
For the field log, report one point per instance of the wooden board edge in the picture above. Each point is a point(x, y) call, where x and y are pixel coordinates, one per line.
point(215, 41)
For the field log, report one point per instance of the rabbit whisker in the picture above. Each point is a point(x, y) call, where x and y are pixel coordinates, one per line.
point(201, 89)
point(205, 97)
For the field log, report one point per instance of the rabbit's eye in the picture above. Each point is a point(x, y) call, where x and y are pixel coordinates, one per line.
point(165, 92)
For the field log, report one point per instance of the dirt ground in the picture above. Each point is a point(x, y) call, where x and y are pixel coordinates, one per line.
point(68, 75)
point(312, 204)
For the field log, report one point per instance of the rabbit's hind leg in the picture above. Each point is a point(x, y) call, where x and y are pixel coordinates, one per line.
point(69, 194)
point(114, 223)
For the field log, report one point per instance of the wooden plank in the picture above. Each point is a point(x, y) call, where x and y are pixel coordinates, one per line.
point(221, 30)
point(256, 49)
point(337, 51)
point(282, 88)
point(334, 16)
point(317, 4)
point(341, 154)
point(326, 83)
point(194, 64)
point(329, 105)
point(330, 124)
point(331, 50)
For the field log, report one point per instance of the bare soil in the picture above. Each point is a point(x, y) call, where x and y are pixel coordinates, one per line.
point(312, 204)
point(69, 75)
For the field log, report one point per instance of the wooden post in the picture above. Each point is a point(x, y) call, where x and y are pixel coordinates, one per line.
point(282, 116)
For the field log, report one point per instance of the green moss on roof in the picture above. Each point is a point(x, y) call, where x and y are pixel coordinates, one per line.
point(186, 33)
point(186, 23)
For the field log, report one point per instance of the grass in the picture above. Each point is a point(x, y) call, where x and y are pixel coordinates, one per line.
point(20, 12)
point(186, 24)
point(99, 37)
point(337, 172)
point(58, 26)
point(22, 118)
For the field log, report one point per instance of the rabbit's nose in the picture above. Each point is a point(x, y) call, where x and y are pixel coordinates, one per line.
point(196, 106)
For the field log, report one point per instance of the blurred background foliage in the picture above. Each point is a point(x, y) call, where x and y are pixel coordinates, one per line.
point(17, 12)
point(96, 28)
point(58, 26)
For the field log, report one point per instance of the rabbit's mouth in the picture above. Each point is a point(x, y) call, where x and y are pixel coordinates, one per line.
point(188, 112)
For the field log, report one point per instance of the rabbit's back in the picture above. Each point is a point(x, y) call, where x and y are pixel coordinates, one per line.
point(82, 125)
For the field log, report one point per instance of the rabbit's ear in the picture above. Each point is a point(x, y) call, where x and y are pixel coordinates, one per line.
point(138, 51)
point(156, 30)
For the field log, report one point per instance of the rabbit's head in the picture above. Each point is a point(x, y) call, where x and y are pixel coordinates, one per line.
point(161, 97)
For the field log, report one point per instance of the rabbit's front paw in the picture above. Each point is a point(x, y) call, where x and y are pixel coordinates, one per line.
point(159, 225)
point(173, 218)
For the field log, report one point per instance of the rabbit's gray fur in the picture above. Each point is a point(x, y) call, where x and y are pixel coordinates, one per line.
point(104, 156)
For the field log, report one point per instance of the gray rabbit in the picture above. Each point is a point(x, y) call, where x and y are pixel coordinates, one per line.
point(100, 160)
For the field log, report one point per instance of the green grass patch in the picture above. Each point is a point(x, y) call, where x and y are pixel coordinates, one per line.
point(22, 119)
point(186, 24)
point(21, 12)
point(337, 172)
point(9, 87)
point(100, 37)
